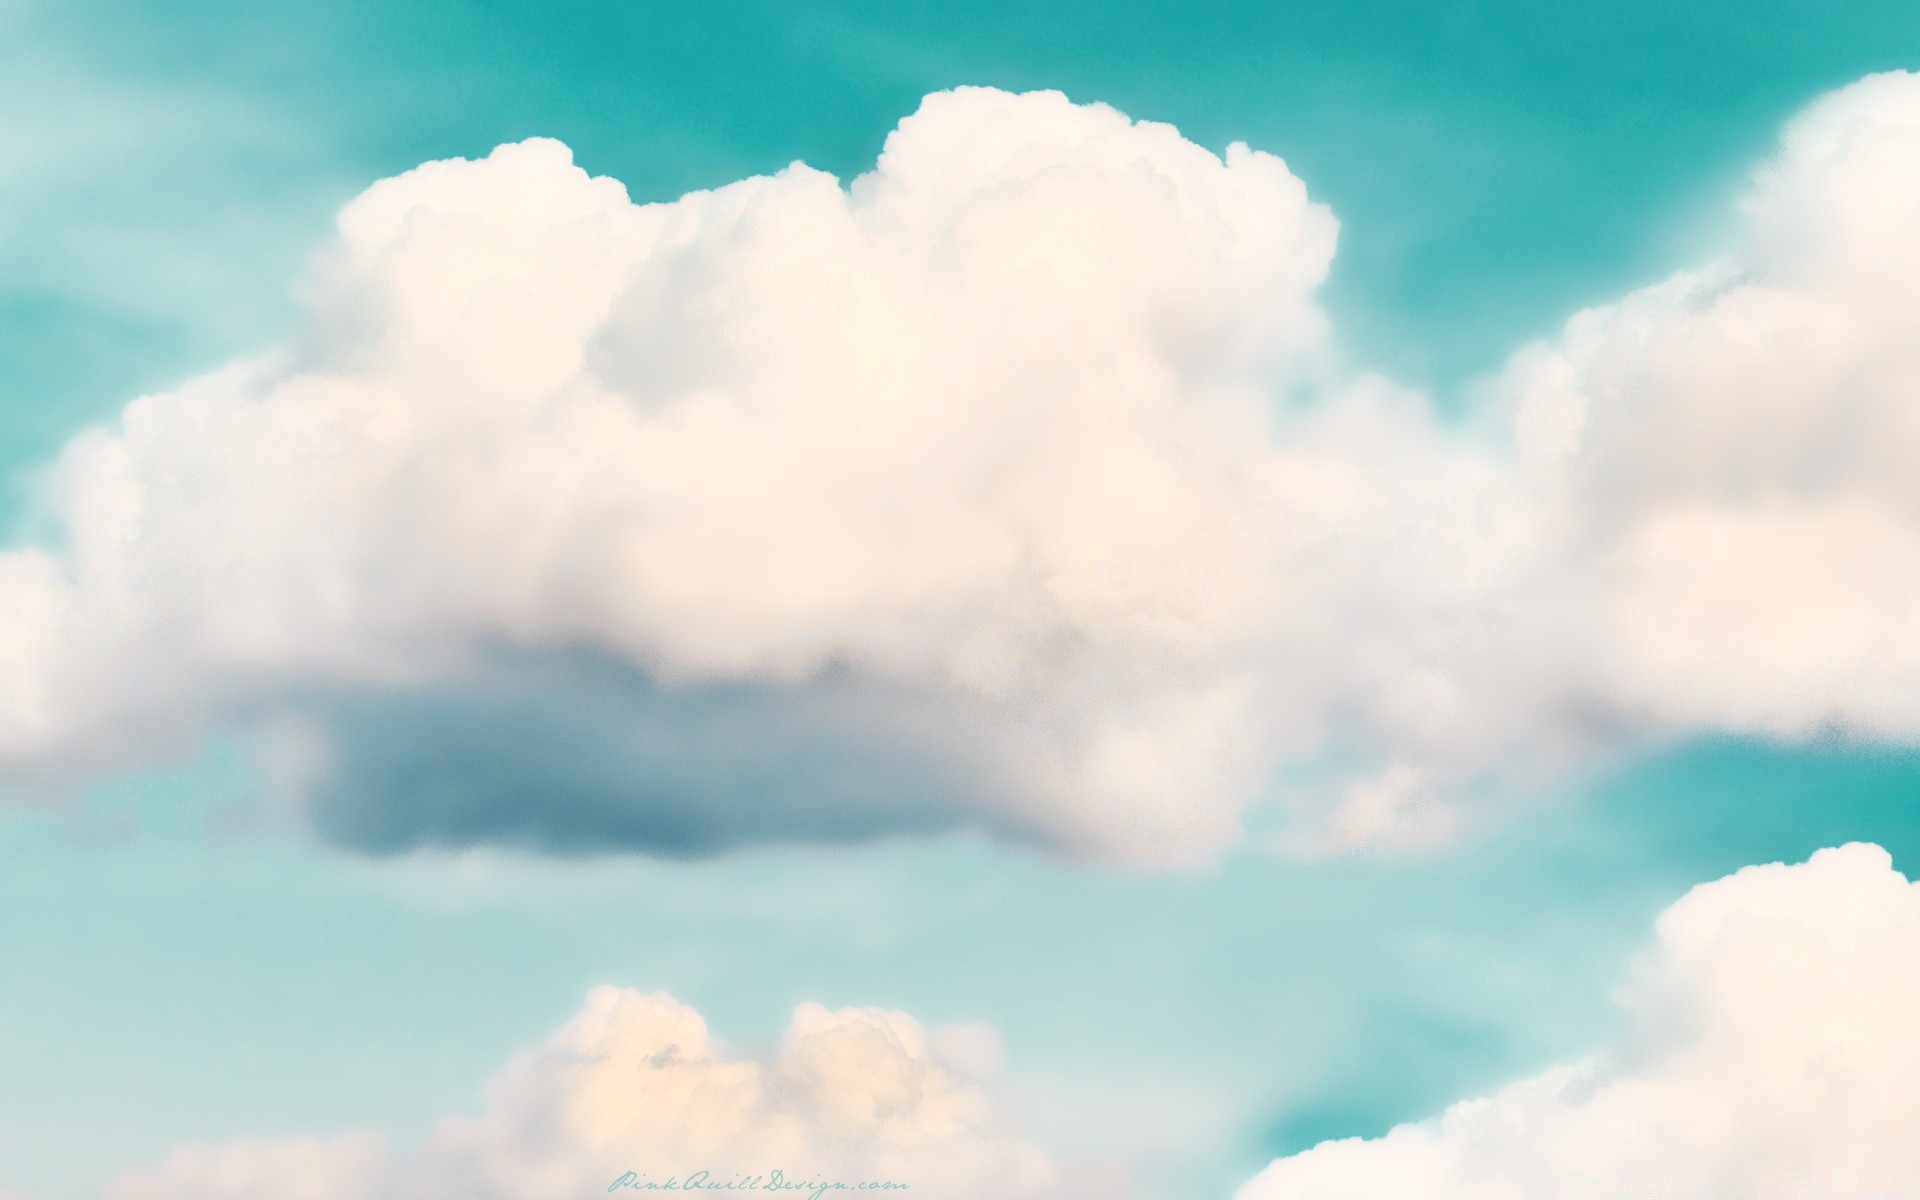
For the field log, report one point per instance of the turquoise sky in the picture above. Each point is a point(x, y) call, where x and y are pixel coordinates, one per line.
point(168, 972)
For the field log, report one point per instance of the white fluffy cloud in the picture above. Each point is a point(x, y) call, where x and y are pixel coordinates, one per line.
point(1771, 1052)
point(634, 1083)
point(1016, 485)
point(1732, 451)
point(979, 460)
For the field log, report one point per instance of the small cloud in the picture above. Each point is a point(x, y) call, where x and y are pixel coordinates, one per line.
point(635, 1083)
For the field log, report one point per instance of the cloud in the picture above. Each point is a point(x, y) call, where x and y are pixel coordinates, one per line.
point(1731, 448)
point(982, 445)
point(1769, 1052)
point(1018, 486)
point(1720, 528)
point(635, 1083)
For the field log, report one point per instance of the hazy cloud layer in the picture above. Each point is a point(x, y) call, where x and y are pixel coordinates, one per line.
point(636, 1083)
point(1770, 1053)
point(1017, 485)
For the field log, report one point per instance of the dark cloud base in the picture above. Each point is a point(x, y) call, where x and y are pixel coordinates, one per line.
point(575, 755)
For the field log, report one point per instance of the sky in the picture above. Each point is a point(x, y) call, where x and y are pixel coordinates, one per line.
point(1269, 908)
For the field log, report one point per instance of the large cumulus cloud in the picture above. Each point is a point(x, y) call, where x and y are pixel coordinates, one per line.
point(1018, 485)
point(1770, 1053)
point(966, 480)
point(635, 1083)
